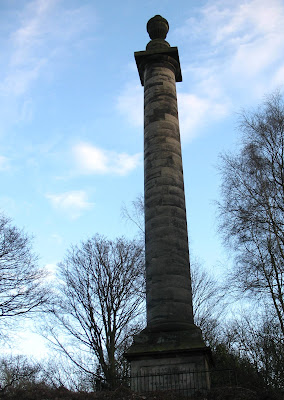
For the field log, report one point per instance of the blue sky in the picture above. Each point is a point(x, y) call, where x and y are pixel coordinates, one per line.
point(71, 109)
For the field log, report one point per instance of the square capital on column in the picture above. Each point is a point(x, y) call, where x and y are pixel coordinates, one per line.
point(141, 57)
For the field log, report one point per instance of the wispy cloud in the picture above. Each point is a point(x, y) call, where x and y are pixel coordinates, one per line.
point(94, 160)
point(46, 31)
point(239, 46)
point(72, 203)
point(51, 270)
point(130, 103)
point(195, 111)
point(234, 55)
point(58, 239)
point(4, 163)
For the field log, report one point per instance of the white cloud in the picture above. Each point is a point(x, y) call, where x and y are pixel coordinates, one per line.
point(73, 203)
point(196, 111)
point(130, 103)
point(93, 160)
point(242, 39)
point(245, 21)
point(234, 55)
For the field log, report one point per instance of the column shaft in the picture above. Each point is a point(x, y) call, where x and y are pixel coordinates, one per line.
point(169, 298)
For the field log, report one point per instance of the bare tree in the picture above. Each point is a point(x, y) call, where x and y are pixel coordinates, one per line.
point(255, 335)
point(22, 289)
point(58, 371)
point(252, 206)
point(209, 305)
point(17, 371)
point(134, 213)
point(100, 297)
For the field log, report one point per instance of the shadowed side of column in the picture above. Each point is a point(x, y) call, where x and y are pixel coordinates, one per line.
point(169, 305)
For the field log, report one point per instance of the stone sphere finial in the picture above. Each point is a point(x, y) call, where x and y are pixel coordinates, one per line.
point(157, 27)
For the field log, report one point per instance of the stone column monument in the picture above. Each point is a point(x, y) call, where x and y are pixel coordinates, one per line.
point(171, 341)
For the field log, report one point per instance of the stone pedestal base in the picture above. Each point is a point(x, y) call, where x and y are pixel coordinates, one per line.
point(174, 360)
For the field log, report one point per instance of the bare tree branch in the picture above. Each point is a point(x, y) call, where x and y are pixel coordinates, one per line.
point(22, 283)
